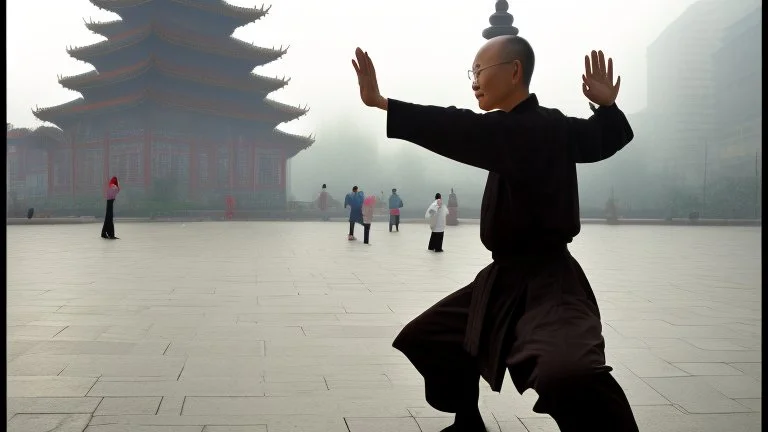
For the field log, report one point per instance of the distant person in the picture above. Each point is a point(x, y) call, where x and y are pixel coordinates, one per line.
point(354, 200)
point(30, 212)
point(437, 213)
point(322, 203)
point(369, 207)
point(395, 204)
point(453, 209)
point(108, 230)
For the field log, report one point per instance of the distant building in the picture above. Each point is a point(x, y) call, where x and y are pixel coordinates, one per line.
point(682, 85)
point(738, 96)
point(172, 105)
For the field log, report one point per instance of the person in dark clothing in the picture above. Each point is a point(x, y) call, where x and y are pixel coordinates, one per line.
point(532, 310)
point(108, 229)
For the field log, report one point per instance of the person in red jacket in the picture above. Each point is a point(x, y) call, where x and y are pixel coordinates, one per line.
point(108, 229)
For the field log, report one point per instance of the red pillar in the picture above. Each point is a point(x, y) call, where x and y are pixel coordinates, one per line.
point(213, 166)
point(106, 161)
point(193, 163)
point(283, 160)
point(147, 162)
point(231, 164)
point(254, 178)
point(49, 154)
point(73, 176)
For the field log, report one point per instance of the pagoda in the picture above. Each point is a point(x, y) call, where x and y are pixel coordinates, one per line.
point(173, 107)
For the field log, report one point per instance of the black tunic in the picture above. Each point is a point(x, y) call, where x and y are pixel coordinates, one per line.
point(531, 202)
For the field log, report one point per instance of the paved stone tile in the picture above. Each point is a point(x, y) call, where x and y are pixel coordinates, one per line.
point(142, 428)
point(33, 331)
point(753, 404)
point(254, 326)
point(48, 422)
point(695, 395)
point(213, 347)
point(754, 370)
point(736, 387)
point(668, 419)
point(128, 406)
point(57, 405)
point(48, 386)
point(401, 424)
point(186, 387)
point(644, 364)
point(168, 367)
point(275, 423)
point(708, 368)
point(171, 405)
point(512, 426)
point(248, 428)
point(38, 365)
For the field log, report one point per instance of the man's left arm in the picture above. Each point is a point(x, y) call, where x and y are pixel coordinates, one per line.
point(599, 137)
point(466, 136)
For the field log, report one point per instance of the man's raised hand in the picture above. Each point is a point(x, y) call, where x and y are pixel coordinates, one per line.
point(366, 79)
point(598, 84)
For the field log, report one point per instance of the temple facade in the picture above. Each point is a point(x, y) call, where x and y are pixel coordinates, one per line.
point(172, 109)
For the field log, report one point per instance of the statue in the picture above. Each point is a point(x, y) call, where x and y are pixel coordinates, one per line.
point(501, 22)
point(611, 210)
point(453, 210)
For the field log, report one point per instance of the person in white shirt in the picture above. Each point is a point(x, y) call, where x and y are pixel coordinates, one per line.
point(437, 214)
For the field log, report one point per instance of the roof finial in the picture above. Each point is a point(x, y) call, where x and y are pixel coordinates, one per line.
point(501, 22)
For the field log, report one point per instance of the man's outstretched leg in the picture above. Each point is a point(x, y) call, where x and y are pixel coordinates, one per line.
point(559, 351)
point(433, 343)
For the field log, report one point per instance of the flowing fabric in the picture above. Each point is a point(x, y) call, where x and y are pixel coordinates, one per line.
point(436, 215)
point(369, 204)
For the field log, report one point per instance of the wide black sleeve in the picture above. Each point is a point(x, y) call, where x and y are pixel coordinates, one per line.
point(492, 141)
point(599, 137)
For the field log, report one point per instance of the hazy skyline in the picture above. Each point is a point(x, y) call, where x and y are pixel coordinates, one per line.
point(425, 61)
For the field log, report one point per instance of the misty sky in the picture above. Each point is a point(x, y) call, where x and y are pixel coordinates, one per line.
point(422, 50)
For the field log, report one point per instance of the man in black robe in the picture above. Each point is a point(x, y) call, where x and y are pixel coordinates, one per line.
point(532, 310)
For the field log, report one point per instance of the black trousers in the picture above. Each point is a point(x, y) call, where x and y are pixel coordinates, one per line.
point(436, 241)
point(366, 232)
point(108, 229)
point(578, 395)
point(394, 220)
point(351, 228)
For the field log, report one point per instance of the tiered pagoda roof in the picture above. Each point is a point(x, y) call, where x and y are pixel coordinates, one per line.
point(253, 83)
point(54, 134)
point(227, 46)
point(213, 85)
point(229, 15)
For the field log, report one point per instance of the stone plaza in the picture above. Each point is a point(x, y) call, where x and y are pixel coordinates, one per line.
point(287, 326)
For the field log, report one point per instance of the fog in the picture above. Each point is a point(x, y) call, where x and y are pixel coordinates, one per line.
point(665, 51)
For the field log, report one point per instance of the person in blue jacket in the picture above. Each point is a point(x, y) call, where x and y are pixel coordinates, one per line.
point(354, 200)
point(395, 204)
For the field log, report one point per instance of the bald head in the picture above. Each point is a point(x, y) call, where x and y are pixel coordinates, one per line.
point(502, 71)
point(511, 48)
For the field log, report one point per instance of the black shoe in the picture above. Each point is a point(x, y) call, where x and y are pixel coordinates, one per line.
point(439, 250)
point(114, 238)
point(104, 236)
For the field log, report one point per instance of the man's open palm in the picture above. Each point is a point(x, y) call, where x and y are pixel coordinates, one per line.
point(598, 84)
point(366, 78)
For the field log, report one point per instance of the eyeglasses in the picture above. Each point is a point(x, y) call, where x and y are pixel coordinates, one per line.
point(474, 74)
